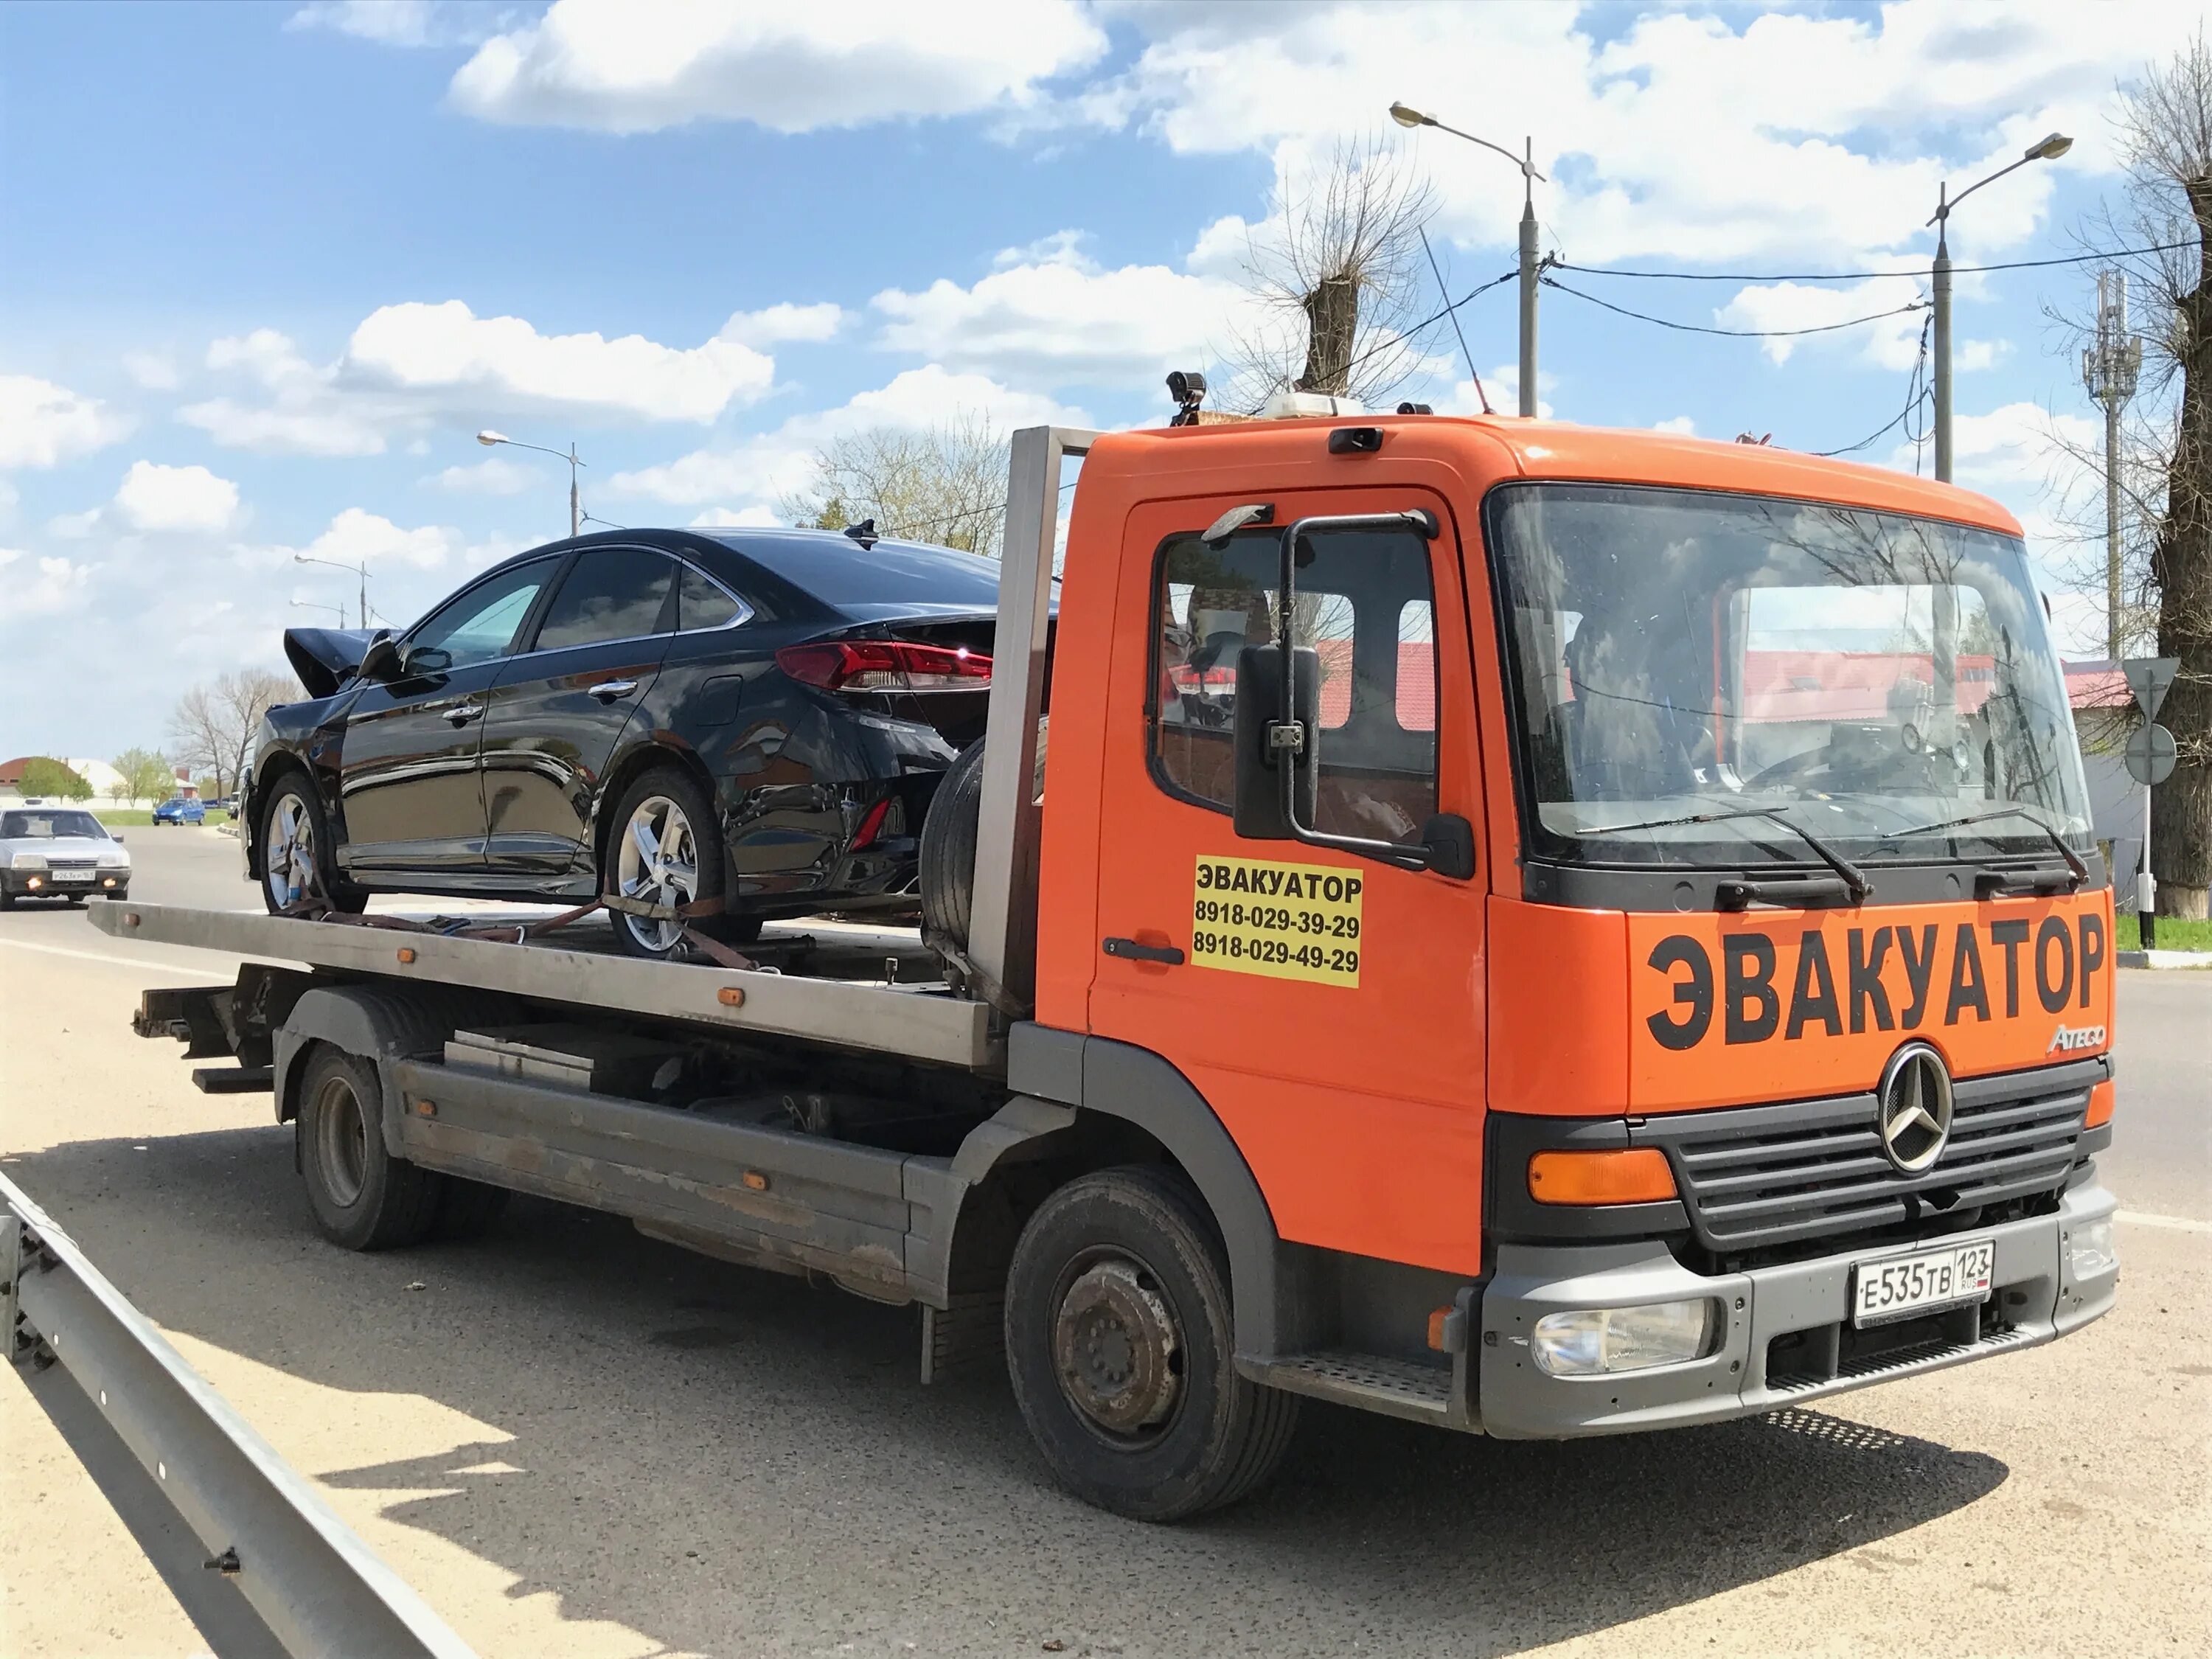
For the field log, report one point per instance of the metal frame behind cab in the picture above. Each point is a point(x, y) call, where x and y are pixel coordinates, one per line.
point(1002, 925)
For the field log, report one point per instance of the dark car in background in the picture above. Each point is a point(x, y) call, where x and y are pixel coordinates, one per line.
point(759, 717)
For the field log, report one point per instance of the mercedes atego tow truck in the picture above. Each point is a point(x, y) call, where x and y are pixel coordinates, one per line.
point(1538, 931)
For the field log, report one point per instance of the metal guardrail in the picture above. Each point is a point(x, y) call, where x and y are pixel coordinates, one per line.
point(317, 1587)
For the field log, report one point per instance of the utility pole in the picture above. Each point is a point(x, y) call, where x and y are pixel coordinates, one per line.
point(1528, 268)
point(1942, 296)
point(2047, 149)
point(1406, 116)
point(2108, 370)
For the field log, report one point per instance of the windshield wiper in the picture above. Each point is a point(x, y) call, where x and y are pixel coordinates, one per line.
point(1854, 879)
point(2080, 871)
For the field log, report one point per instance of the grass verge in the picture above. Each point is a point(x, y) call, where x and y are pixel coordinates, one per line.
point(2172, 934)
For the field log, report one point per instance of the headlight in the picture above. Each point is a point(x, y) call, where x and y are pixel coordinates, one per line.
point(115, 860)
point(2090, 1250)
point(29, 862)
point(1594, 1341)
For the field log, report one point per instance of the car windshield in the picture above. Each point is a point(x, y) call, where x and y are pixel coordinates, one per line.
point(1680, 655)
point(43, 826)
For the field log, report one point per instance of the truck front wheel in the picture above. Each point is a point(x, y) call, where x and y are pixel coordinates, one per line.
point(361, 1196)
point(1119, 1340)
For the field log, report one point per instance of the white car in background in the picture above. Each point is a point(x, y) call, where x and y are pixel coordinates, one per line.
point(59, 852)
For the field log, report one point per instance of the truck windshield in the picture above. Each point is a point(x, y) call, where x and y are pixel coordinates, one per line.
point(1876, 678)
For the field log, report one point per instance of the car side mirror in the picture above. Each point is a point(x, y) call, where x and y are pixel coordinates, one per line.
point(1264, 746)
point(119, 841)
point(381, 660)
point(427, 659)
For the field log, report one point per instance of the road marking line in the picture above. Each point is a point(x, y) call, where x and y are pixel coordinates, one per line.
point(163, 962)
point(2179, 1223)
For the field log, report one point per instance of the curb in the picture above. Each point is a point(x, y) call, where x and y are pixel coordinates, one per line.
point(2183, 959)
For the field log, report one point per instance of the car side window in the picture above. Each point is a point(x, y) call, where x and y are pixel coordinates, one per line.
point(609, 594)
point(480, 625)
point(1365, 604)
point(702, 602)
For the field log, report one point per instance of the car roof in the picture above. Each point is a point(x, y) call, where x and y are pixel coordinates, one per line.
point(821, 572)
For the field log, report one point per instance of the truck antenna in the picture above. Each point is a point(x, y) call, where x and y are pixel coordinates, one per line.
point(1452, 311)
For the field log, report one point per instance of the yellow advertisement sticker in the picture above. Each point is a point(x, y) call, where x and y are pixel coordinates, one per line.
point(1285, 921)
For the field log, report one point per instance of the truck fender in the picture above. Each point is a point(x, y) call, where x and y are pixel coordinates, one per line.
point(1120, 1079)
point(380, 1024)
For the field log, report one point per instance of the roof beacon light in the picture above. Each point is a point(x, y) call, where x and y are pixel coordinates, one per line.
point(1305, 405)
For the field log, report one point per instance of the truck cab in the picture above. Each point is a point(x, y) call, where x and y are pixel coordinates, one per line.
point(1630, 909)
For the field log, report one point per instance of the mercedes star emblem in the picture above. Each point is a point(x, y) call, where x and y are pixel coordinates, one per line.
point(1913, 1108)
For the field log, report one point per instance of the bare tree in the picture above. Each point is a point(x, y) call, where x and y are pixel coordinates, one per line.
point(2164, 124)
point(1339, 268)
point(947, 484)
point(215, 722)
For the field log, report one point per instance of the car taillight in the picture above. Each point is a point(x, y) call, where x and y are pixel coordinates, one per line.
point(886, 666)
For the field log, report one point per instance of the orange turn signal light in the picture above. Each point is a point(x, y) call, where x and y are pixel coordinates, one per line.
point(2100, 1105)
point(1636, 1175)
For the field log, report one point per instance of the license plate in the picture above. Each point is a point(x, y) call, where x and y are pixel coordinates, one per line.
point(72, 875)
point(1906, 1284)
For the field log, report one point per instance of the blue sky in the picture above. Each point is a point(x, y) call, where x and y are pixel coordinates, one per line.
point(265, 269)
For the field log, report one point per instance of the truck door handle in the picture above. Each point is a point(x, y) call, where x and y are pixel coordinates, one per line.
point(463, 714)
point(608, 690)
point(1129, 949)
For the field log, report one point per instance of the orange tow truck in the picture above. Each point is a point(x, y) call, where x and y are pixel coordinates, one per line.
point(1535, 930)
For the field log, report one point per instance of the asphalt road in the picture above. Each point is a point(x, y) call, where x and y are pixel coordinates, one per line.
point(573, 1441)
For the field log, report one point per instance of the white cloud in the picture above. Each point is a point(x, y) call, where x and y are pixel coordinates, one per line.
point(1055, 318)
point(495, 477)
point(1680, 425)
point(1740, 136)
point(59, 585)
point(754, 474)
point(357, 535)
point(641, 65)
point(169, 500)
point(42, 424)
point(781, 323)
point(387, 23)
point(2018, 453)
point(156, 371)
point(721, 518)
point(413, 365)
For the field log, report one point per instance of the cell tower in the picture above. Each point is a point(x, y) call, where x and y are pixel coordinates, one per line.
point(2108, 370)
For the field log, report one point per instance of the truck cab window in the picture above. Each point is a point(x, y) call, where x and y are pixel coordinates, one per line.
point(1363, 603)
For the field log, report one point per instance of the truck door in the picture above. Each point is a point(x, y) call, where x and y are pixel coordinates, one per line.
point(1328, 1005)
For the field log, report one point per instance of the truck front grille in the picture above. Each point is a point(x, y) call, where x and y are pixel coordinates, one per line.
point(1763, 1176)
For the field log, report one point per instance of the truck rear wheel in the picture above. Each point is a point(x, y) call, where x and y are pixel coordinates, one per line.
point(1120, 1341)
point(362, 1198)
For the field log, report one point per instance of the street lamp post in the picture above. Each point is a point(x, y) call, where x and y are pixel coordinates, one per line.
point(2046, 149)
point(490, 439)
point(1408, 117)
point(360, 571)
point(316, 604)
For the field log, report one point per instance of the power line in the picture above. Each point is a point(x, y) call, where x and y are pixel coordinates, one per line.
point(1734, 333)
point(1917, 395)
point(1861, 276)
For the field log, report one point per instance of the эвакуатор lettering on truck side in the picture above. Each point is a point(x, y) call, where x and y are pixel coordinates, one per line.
point(1538, 931)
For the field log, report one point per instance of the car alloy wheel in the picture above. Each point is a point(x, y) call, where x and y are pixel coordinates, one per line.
point(289, 857)
point(658, 861)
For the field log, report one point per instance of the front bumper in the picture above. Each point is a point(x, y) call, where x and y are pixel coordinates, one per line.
point(17, 884)
point(1788, 1337)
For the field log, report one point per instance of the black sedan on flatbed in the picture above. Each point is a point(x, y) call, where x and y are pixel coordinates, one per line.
point(758, 717)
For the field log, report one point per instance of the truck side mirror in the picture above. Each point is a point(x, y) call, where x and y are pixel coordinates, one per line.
point(1263, 748)
point(380, 662)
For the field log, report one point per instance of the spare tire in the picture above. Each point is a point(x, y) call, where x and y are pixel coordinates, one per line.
point(948, 844)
